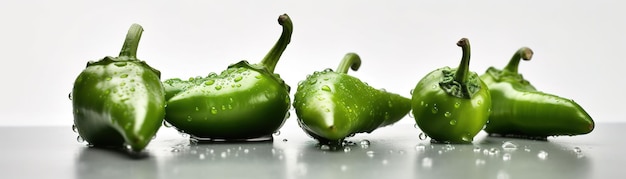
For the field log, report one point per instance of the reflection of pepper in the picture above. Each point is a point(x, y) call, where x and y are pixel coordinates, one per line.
point(119, 100)
point(333, 105)
point(452, 105)
point(245, 102)
point(520, 110)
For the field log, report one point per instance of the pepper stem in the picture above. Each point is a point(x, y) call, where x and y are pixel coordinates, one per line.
point(272, 57)
point(351, 60)
point(524, 53)
point(132, 41)
point(462, 71)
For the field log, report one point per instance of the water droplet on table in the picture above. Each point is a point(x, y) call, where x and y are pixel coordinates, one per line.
point(364, 143)
point(427, 162)
point(506, 157)
point(420, 147)
point(448, 147)
point(493, 151)
point(509, 146)
point(542, 155)
point(479, 162)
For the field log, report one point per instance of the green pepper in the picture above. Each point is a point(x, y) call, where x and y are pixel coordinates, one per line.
point(519, 110)
point(334, 105)
point(452, 105)
point(119, 101)
point(246, 102)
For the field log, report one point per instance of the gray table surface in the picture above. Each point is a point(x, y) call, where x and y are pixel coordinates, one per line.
point(393, 152)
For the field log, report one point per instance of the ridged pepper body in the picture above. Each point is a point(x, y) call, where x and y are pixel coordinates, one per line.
point(243, 103)
point(119, 100)
point(520, 110)
point(333, 105)
point(451, 105)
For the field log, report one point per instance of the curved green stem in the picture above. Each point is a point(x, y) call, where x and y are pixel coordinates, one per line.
point(523, 53)
point(132, 41)
point(462, 71)
point(272, 57)
point(351, 60)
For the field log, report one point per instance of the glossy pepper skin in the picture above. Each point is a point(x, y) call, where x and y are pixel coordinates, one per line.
point(334, 105)
point(246, 102)
point(119, 101)
point(451, 105)
point(519, 110)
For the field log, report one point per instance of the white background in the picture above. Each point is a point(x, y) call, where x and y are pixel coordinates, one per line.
point(578, 45)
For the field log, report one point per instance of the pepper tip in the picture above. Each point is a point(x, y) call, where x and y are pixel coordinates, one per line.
point(527, 53)
point(282, 18)
point(463, 42)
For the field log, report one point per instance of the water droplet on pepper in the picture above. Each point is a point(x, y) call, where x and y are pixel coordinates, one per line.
point(422, 136)
point(167, 124)
point(326, 88)
point(434, 110)
point(120, 64)
point(209, 83)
